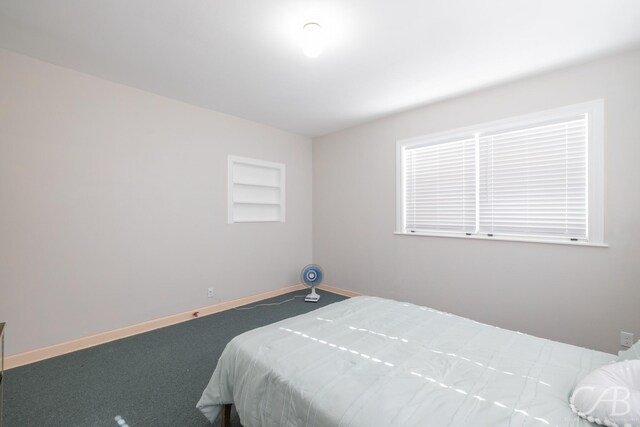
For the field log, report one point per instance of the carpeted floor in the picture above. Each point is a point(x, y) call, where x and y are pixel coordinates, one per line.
point(152, 379)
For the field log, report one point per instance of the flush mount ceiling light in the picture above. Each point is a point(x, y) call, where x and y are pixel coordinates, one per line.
point(312, 40)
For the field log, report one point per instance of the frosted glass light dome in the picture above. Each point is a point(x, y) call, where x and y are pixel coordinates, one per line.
point(312, 40)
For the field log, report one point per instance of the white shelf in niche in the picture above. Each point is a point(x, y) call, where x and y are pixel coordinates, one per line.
point(246, 184)
point(256, 190)
point(256, 203)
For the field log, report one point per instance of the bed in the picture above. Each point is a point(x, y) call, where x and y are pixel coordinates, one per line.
point(369, 361)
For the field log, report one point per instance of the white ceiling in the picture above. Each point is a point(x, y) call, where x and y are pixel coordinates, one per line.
point(242, 57)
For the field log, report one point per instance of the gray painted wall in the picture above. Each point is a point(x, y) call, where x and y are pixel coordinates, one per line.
point(113, 206)
point(113, 211)
point(580, 295)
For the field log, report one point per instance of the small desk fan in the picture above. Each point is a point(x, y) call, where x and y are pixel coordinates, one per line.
point(311, 276)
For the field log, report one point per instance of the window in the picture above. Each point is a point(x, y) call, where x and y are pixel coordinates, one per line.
point(256, 191)
point(537, 177)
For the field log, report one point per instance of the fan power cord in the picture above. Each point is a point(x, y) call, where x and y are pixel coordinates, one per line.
point(269, 304)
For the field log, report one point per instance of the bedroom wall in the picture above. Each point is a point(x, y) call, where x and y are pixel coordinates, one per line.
point(113, 206)
point(580, 295)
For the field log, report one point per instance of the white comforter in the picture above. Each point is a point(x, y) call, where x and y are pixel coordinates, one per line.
point(370, 362)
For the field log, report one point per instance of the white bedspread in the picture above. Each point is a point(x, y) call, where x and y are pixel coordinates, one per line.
point(370, 362)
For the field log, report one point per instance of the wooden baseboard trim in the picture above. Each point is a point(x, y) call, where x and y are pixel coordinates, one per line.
point(43, 353)
point(339, 291)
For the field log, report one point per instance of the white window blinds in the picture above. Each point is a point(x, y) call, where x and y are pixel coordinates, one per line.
point(527, 181)
point(533, 181)
point(440, 187)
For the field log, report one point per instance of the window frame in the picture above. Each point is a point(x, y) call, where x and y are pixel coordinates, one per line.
point(595, 169)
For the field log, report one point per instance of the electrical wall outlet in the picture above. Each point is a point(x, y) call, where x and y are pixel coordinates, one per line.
point(626, 339)
point(210, 294)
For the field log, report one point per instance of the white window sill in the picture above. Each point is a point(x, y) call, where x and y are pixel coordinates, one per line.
point(505, 239)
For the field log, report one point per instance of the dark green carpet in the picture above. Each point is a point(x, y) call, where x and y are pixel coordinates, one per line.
point(151, 379)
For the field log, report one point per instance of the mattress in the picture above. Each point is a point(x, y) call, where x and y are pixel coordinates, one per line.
point(370, 361)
